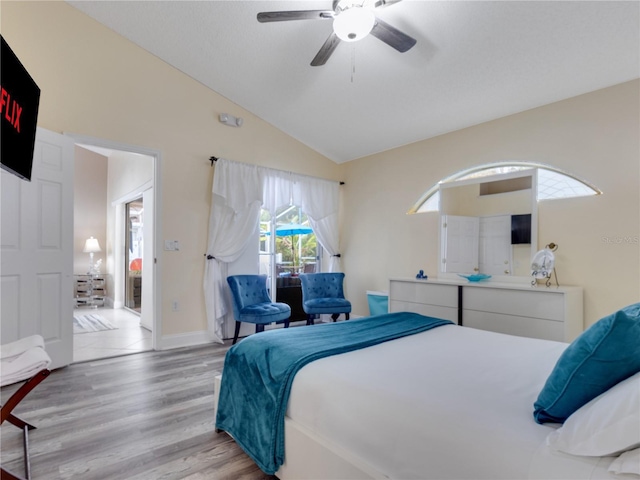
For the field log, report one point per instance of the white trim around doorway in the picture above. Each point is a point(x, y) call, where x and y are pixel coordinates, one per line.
point(157, 217)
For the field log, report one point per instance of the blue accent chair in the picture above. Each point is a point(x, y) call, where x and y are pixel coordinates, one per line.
point(323, 293)
point(252, 304)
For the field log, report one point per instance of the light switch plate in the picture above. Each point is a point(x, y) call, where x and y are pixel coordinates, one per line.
point(171, 245)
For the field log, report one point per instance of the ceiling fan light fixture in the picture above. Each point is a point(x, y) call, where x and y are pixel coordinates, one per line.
point(354, 24)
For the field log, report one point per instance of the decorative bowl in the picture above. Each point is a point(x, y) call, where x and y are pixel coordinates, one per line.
point(475, 277)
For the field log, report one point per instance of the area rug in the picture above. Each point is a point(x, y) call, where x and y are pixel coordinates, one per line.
point(91, 323)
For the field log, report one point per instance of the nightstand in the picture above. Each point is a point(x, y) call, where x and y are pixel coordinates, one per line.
point(89, 290)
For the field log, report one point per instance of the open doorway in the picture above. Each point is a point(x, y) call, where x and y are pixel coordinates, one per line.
point(124, 220)
point(133, 254)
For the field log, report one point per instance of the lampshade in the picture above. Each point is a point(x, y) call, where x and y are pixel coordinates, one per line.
point(91, 246)
point(136, 264)
point(354, 24)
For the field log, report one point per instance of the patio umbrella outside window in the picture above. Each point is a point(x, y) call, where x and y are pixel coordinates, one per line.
point(291, 229)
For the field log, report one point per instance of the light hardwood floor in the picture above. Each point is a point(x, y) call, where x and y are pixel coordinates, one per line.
point(141, 416)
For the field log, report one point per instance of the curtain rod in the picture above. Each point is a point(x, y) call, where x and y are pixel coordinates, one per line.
point(215, 159)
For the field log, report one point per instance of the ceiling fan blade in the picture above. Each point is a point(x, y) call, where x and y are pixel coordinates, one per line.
point(264, 17)
point(326, 50)
point(384, 3)
point(392, 36)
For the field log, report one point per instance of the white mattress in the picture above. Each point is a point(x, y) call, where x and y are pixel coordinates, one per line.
point(449, 403)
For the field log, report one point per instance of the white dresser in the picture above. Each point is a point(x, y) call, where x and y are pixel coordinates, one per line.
point(512, 308)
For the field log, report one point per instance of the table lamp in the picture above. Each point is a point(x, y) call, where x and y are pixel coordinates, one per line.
point(91, 246)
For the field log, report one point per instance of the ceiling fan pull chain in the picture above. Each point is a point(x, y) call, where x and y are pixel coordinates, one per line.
point(353, 62)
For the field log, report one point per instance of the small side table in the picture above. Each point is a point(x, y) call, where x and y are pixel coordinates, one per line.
point(90, 290)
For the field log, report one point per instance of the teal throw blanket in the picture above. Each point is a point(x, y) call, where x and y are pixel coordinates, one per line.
point(259, 371)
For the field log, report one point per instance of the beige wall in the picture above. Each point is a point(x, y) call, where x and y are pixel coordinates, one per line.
point(595, 136)
point(89, 207)
point(96, 83)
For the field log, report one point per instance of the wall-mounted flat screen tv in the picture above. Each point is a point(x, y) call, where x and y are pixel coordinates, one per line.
point(19, 100)
point(520, 229)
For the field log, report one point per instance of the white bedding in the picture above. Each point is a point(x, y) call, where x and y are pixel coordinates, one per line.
point(449, 403)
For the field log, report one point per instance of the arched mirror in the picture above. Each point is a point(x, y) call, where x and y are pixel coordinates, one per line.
point(489, 215)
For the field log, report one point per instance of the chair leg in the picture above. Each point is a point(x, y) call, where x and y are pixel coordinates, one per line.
point(310, 319)
point(335, 316)
point(25, 446)
point(5, 414)
point(8, 475)
point(18, 422)
point(237, 332)
point(346, 316)
point(16, 398)
point(259, 327)
point(286, 323)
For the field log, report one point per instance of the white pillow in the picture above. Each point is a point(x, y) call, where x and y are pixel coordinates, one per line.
point(607, 425)
point(628, 462)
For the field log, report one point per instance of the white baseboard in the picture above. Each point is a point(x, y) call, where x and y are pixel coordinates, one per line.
point(191, 339)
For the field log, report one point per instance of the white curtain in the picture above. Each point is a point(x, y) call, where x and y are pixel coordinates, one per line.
point(239, 191)
point(277, 189)
point(319, 200)
point(235, 210)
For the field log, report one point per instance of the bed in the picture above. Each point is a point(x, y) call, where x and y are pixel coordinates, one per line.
point(446, 402)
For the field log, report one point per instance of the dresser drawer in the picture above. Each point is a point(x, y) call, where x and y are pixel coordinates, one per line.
point(511, 325)
point(525, 303)
point(436, 311)
point(431, 294)
point(90, 290)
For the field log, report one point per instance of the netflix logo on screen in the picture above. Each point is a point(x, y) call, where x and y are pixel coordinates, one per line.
point(19, 99)
point(11, 109)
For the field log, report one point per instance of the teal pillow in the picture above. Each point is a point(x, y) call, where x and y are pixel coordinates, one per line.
point(603, 355)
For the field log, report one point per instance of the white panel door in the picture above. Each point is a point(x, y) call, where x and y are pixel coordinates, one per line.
point(460, 239)
point(36, 252)
point(495, 245)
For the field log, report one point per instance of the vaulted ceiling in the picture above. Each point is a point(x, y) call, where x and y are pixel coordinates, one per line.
point(474, 61)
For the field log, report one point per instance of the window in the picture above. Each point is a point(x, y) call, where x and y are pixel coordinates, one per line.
point(552, 183)
point(288, 247)
point(295, 246)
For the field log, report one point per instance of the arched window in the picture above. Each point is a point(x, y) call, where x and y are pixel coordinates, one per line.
point(552, 183)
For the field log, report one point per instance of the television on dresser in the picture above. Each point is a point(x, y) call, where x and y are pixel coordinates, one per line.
point(19, 100)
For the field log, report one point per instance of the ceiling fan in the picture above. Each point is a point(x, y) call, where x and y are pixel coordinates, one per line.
point(352, 21)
